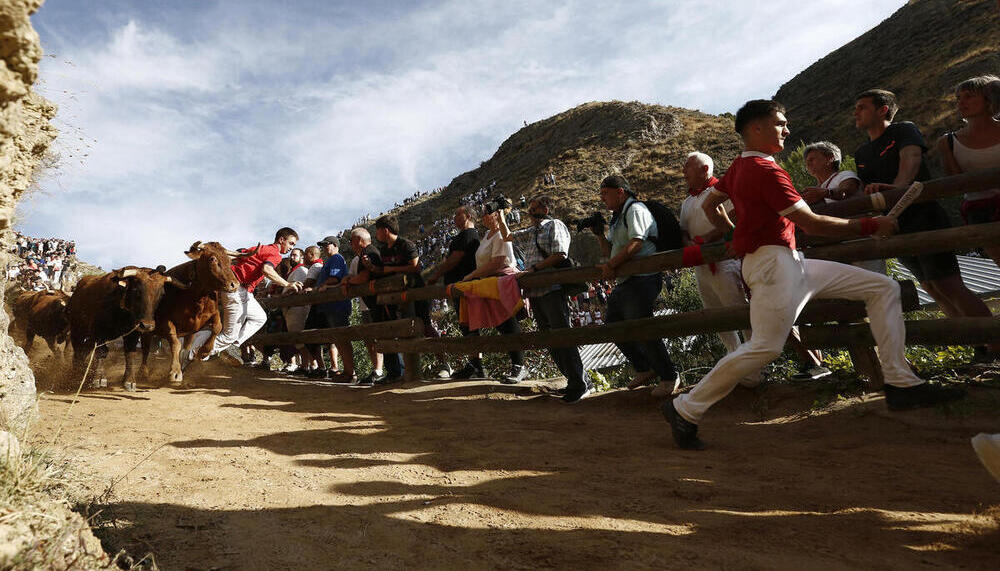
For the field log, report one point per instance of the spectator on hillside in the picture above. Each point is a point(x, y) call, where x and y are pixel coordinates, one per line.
point(547, 246)
point(460, 262)
point(628, 238)
point(782, 281)
point(893, 157)
point(976, 146)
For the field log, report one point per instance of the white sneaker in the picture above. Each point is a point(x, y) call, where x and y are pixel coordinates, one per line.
point(666, 388)
point(445, 372)
point(987, 447)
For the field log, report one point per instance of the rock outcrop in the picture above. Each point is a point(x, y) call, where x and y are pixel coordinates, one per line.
point(25, 135)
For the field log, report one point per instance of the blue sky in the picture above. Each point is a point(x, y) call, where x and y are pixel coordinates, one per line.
point(225, 120)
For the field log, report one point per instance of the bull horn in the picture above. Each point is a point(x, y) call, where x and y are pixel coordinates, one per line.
point(192, 252)
point(129, 272)
point(176, 283)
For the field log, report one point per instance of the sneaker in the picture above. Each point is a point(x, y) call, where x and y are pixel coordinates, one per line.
point(685, 433)
point(232, 355)
point(666, 388)
point(987, 447)
point(372, 378)
point(812, 373)
point(445, 372)
point(517, 374)
point(341, 378)
point(924, 394)
point(560, 392)
point(469, 371)
point(316, 373)
point(641, 379)
point(576, 395)
point(387, 380)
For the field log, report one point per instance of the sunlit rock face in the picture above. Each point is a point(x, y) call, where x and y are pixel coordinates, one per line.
point(25, 135)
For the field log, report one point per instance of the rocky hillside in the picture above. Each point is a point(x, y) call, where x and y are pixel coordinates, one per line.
point(646, 143)
point(920, 53)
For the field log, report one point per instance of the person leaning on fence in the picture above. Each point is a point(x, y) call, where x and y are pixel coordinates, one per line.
point(893, 158)
point(976, 146)
point(358, 273)
point(629, 238)
point(242, 315)
point(494, 259)
point(720, 283)
point(822, 160)
point(335, 313)
point(782, 281)
point(546, 245)
point(295, 316)
point(460, 262)
point(400, 256)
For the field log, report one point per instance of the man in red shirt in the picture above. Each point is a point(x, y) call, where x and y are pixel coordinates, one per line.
point(781, 281)
point(242, 316)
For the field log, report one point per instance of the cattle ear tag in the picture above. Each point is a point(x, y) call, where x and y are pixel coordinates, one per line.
point(122, 283)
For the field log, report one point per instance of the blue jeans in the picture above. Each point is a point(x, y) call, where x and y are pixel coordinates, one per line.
point(634, 299)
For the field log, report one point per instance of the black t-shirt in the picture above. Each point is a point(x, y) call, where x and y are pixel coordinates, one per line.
point(400, 254)
point(467, 241)
point(878, 160)
point(373, 255)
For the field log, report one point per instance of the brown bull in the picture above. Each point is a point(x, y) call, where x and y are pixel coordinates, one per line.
point(117, 304)
point(182, 313)
point(42, 313)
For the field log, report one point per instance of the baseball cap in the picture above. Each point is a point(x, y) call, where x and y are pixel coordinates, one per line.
point(329, 240)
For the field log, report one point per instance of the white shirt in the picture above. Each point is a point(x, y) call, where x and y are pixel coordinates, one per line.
point(493, 245)
point(833, 181)
point(352, 270)
point(693, 219)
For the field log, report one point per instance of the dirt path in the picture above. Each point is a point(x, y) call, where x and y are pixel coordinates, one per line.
point(261, 472)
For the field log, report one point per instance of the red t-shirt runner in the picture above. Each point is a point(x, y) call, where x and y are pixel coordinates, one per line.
point(762, 194)
point(250, 269)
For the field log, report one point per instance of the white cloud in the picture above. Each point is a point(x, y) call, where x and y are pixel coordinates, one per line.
point(255, 115)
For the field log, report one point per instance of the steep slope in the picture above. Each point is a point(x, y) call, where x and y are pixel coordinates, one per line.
point(646, 143)
point(920, 53)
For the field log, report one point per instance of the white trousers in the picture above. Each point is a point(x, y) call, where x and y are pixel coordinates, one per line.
point(782, 282)
point(242, 316)
point(721, 289)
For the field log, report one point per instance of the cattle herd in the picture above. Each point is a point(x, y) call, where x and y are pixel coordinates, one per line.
point(134, 304)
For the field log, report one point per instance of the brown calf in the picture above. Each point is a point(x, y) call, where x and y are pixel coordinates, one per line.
point(42, 313)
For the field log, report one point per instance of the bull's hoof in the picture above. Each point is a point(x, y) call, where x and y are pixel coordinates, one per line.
point(129, 386)
point(101, 383)
point(176, 378)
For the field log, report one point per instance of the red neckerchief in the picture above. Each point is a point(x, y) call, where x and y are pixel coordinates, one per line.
point(711, 182)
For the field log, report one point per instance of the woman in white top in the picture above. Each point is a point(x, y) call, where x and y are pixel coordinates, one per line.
point(976, 146)
point(495, 257)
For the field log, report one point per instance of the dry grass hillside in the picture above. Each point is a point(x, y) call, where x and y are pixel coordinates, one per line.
point(646, 143)
point(920, 53)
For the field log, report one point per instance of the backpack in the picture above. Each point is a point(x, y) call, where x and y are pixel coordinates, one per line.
point(669, 234)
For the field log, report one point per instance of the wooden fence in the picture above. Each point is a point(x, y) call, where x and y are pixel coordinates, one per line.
point(405, 336)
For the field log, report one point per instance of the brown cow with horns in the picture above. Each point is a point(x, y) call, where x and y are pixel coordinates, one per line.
point(116, 304)
point(181, 313)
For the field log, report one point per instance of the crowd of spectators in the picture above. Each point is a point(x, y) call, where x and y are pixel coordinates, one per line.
point(41, 263)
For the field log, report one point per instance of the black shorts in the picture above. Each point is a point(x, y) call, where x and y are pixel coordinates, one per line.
point(923, 217)
point(340, 318)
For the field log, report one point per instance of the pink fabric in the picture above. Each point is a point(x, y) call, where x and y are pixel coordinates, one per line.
point(490, 301)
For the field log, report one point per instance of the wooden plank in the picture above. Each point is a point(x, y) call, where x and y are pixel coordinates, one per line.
point(953, 331)
point(402, 328)
point(678, 325)
point(390, 283)
point(933, 189)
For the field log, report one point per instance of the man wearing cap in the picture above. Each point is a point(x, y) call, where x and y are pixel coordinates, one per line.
point(335, 313)
point(629, 238)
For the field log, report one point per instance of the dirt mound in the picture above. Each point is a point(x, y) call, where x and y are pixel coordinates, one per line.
point(249, 471)
point(920, 53)
point(647, 143)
